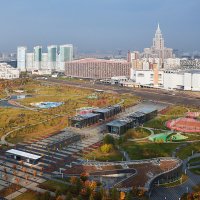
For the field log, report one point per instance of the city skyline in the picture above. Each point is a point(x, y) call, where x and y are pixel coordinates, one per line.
point(99, 26)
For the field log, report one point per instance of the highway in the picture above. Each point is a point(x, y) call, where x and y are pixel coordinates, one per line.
point(158, 95)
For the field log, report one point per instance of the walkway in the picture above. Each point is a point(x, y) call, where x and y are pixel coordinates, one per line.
point(174, 193)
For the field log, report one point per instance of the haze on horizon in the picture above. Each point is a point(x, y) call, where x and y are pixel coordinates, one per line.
point(99, 25)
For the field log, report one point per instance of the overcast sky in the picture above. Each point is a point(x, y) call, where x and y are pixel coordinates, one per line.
point(99, 25)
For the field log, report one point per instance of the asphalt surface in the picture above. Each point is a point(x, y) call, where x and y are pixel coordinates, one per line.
point(158, 95)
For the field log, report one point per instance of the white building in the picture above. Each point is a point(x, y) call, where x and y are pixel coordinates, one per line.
point(171, 63)
point(8, 72)
point(30, 61)
point(151, 78)
point(53, 60)
point(118, 79)
point(44, 64)
point(21, 58)
point(186, 80)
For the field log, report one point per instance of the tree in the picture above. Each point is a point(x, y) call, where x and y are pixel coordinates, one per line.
point(114, 194)
point(59, 198)
point(91, 197)
point(122, 196)
point(84, 176)
point(73, 180)
point(34, 173)
point(108, 139)
point(128, 196)
point(68, 196)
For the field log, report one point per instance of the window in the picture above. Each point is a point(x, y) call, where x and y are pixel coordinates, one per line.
point(140, 75)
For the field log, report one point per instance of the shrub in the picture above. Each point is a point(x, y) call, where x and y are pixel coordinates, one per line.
point(106, 148)
point(108, 139)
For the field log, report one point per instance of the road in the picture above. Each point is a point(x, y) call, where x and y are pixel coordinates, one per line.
point(145, 93)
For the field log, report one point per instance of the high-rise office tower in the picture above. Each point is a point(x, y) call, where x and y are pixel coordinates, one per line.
point(52, 56)
point(158, 40)
point(21, 58)
point(37, 57)
point(66, 55)
point(158, 49)
point(44, 64)
point(29, 61)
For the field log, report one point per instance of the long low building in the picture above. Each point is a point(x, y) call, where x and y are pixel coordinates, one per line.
point(84, 120)
point(23, 156)
point(167, 79)
point(97, 68)
point(133, 120)
point(94, 116)
point(185, 80)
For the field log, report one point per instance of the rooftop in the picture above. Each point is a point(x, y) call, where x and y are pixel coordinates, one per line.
point(23, 154)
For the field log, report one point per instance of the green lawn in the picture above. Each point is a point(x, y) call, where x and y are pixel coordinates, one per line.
point(197, 159)
point(137, 133)
point(182, 180)
point(114, 155)
point(158, 122)
point(29, 195)
point(195, 171)
point(54, 186)
point(187, 151)
point(176, 110)
point(148, 150)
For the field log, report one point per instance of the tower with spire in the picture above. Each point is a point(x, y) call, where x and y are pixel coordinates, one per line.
point(158, 40)
point(158, 51)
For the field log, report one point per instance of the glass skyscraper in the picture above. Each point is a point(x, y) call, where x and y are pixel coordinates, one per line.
point(21, 58)
point(66, 53)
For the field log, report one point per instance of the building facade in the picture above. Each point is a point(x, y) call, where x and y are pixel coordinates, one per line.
point(97, 68)
point(21, 58)
point(53, 60)
point(37, 57)
point(158, 49)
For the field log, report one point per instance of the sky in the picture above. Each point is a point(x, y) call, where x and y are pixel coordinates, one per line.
point(99, 25)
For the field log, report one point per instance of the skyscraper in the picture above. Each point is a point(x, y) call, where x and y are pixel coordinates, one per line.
point(66, 55)
point(158, 40)
point(52, 56)
point(21, 58)
point(158, 49)
point(37, 57)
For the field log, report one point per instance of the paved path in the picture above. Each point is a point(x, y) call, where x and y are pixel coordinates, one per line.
point(174, 193)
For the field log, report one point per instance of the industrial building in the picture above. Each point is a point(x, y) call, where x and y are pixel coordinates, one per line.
point(80, 121)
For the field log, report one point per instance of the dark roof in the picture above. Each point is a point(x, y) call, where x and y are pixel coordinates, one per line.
point(106, 109)
point(119, 122)
point(85, 116)
point(146, 110)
